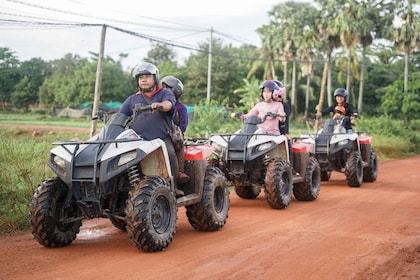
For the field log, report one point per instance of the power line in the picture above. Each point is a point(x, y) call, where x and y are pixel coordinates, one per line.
point(177, 26)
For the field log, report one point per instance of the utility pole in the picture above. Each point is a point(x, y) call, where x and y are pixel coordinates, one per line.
point(98, 81)
point(209, 65)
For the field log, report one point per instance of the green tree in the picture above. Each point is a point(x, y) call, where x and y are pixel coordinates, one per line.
point(328, 42)
point(288, 22)
point(160, 53)
point(227, 71)
point(23, 95)
point(347, 25)
point(9, 74)
point(60, 88)
point(34, 72)
point(406, 38)
point(249, 94)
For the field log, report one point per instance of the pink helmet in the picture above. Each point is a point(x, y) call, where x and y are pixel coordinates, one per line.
point(281, 92)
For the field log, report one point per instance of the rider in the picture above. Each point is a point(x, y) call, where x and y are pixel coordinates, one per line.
point(341, 95)
point(339, 113)
point(279, 96)
point(180, 113)
point(268, 105)
point(180, 116)
point(152, 126)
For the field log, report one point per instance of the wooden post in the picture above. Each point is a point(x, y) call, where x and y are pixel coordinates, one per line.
point(98, 81)
point(321, 95)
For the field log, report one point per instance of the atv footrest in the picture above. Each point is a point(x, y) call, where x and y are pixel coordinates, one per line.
point(190, 198)
point(298, 179)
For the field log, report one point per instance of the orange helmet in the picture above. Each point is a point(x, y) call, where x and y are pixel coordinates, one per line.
point(340, 109)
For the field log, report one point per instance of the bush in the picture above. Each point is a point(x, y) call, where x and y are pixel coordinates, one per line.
point(391, 138)
point(23, 165)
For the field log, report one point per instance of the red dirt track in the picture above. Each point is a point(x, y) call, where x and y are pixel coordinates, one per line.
point(371, 232)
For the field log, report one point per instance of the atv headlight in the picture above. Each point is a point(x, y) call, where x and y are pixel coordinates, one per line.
point(127, 157)
point(264, 147)
point(59, 161)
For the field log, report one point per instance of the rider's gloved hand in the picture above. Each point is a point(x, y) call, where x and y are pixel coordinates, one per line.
point(236, 116)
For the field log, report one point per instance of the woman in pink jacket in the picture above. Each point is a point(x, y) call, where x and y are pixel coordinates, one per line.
point(268, 105)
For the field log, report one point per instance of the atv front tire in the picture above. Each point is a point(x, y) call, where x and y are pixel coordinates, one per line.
point(247, 192)
point(211, 212)
point(309, 189)
point(278, 184)
point(354, 170)
point(370, 172)
point(45, 212)
point(151, 214)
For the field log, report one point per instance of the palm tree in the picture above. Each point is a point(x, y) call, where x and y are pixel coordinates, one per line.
point(406, 39)
point(328, 42)
point(290, 20)
point(374, 17)
point(306, 53)
point(347, 26)
point(268, 53)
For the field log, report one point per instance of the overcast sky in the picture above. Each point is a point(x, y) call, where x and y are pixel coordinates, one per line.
point(183, 22)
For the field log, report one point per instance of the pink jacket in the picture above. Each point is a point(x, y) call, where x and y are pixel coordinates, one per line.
point(271, 125)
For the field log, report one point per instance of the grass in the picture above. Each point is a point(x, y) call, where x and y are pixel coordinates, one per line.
point(23, 165)
point(40, 119)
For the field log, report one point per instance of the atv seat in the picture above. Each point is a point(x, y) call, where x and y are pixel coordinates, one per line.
point(323, 139)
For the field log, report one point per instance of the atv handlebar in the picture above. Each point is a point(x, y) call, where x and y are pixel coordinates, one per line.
point(141, 108)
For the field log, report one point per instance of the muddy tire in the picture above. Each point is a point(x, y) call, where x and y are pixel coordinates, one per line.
point(325, 175)
point(44, 214)
point(151, 214)
point(309, 189)
point(278, 184)
point(119, 224)
point(211, 213)
point(247, 192)
point(354, 170)
point(370, 172)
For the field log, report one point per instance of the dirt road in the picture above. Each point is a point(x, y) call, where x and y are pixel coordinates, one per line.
point(371, 232)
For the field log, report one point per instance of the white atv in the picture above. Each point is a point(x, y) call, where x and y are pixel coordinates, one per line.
point(344, 151)
point(252, 160)
point(120, 176)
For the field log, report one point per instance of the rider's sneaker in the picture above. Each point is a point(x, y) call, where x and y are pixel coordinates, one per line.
point(179, 192)
point(183, 178)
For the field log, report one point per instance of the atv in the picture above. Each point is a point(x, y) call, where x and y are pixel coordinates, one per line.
point(120, 176)
point(344, 151)
point(252, 160)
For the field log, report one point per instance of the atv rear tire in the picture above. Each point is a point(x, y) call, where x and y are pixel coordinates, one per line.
point(151, 214)
point(354, 170)
point(211, 212)
point(309, 189)
point(44, 212)
point(247, 192)
point(119, 224)
point(325, 175)
point(370, 172)
point(278, 184)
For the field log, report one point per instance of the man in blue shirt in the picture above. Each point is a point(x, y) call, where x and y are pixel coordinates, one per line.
point(152, 126)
